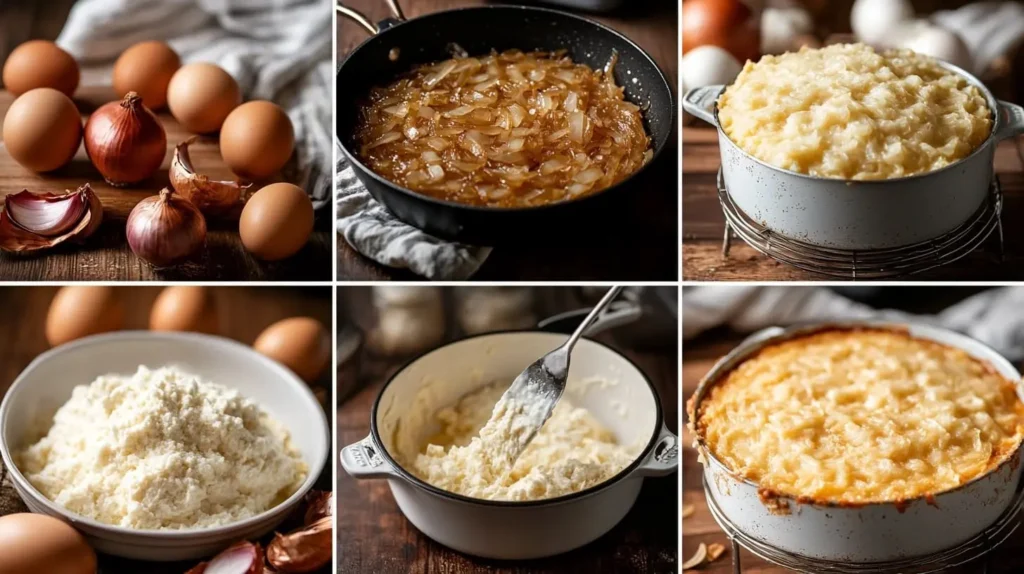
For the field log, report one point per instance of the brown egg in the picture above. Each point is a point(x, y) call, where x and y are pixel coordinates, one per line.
point(146, 69)
point(201, 95)
point(185, 308)
point(257, 139)
point(81, 310)
point(276, 221)
point(42, 129)
point(301, 343)
point(40, 64)
point(35, 543)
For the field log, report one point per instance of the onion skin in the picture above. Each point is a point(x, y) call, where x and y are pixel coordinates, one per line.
point(212, 197)
point(125, 141)
point(304, 550)
point(15, 238)
point(165, 229)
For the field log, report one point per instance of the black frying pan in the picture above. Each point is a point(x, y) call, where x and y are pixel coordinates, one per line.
point(479, 30)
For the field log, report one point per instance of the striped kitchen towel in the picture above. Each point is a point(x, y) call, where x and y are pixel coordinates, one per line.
point(277, 50)
point(374, 232)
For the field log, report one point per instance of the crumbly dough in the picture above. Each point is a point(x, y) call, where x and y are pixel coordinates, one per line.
point(162, 450)
point(475, 452)
point(848, 112)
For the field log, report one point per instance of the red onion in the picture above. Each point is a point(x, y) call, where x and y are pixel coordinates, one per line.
point(125, 141)
point(166, 229)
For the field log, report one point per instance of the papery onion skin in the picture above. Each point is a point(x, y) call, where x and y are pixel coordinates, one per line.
point(212, 197)
point(166, 229)
point(125, 141)
point(303, 550)
point(15, 238)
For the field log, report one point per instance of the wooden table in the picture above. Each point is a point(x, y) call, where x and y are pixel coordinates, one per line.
point(704, 225)
point(244, 313)
point(644, 247)
point(107, 257)
point(374, 536)
point(698, 357)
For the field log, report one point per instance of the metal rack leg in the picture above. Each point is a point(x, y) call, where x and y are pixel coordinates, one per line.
point(737, 567)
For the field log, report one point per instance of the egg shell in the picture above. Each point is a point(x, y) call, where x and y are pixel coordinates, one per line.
point(708, 66)
point(146, 68)
point(40, 64)
point(257, 139)
point(728, 24)
point(42, 129)
point(201, 96)
point(81, 310)
point(300, 343)
point(185, 308)
point(276, 221)
point(37, 544)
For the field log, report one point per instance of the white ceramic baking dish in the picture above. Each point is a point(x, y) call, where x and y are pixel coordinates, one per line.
point(878, 532)
point(860, 215)
point(517, 530)
point(47, 383)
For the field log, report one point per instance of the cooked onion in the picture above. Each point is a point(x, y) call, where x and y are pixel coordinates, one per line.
point(512, 129)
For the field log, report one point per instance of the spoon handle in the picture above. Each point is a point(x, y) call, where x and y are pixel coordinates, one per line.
point(589, 320)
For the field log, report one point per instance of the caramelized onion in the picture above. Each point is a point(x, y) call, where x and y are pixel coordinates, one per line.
point(505, 130)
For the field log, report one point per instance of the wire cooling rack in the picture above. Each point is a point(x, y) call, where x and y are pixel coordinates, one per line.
point(866, 264)
point(974, 549)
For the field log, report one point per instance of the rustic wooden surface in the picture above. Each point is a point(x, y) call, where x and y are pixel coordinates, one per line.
point(645, 246)
point(698, 357)
point(374, 536)
point(107, 257)
point(704, 225)
point(243, 312)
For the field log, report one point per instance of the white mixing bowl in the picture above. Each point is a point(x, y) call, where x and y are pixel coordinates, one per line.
point(47, 383)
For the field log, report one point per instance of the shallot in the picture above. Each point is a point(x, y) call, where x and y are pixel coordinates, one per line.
point(166, 229)
point(125, 141)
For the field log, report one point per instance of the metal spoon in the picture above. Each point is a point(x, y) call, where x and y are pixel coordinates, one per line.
point(537, 389)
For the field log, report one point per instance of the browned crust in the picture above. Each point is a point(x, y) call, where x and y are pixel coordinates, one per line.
point(769, 496)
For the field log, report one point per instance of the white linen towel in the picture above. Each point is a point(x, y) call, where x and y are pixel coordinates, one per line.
point(277, 50)
point(375, 233)
point(993, 317)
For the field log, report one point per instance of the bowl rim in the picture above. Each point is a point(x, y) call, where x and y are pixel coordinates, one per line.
point(188, 534)
point(990, 99)
point(595, 489)
point(657, 148)
point(914, 329)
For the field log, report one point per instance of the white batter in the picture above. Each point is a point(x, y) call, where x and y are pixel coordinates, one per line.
point(475, 452)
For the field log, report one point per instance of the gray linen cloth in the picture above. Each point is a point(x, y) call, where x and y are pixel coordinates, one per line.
point(277, 50)
point(375, 233)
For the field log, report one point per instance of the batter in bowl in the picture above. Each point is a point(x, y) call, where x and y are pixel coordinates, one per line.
point(474, 452)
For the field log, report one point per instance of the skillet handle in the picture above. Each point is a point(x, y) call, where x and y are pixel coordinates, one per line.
point(700, 102)
point(361, 19)
point(1012, 117)
point(361, 460)
point(664, 457)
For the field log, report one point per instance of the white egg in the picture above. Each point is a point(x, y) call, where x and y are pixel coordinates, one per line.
point(926, 38)
point(781, 26)
point(708, 66)
point(873, 19)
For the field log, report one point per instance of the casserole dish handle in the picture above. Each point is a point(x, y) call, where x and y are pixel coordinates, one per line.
point(362, 460)
point(1011, 116)
point(664, 457)
point(700, 102)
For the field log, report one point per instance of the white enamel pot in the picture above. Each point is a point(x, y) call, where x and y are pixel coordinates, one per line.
point(517, 530)
point(877, 532)
point(860, 215)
